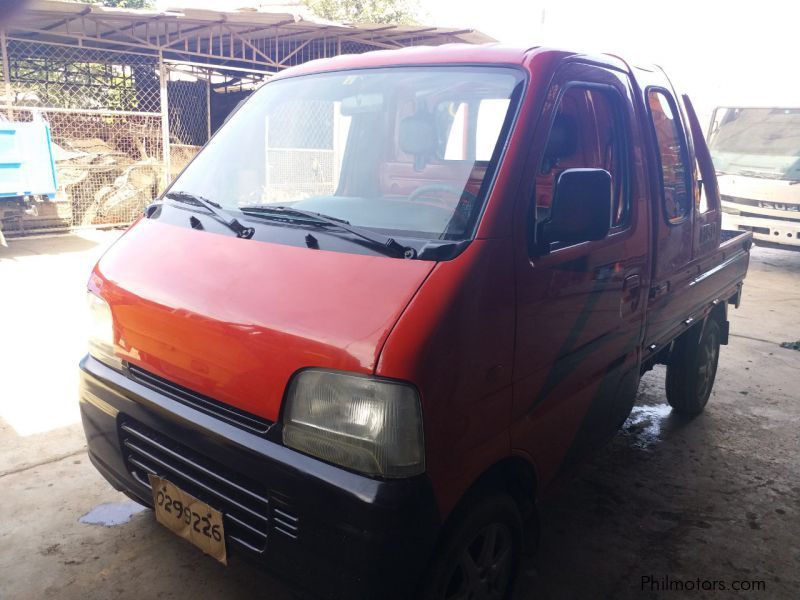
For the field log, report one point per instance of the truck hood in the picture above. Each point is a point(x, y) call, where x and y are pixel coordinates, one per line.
point(233, 319)
point(759, 188)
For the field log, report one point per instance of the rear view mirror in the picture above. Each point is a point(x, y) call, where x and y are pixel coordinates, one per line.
point(361, 103)
point(581, 210)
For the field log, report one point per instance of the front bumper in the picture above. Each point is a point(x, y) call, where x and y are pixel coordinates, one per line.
point(765, 230)
point(325, 531)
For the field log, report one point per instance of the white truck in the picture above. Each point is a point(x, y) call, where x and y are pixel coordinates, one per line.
point(756, 153)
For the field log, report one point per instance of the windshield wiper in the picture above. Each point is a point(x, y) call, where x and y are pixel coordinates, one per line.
point(216, 211)
point(386, 245)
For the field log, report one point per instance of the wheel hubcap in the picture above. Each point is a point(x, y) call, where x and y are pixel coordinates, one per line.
point(483, 568)
point(708, 366)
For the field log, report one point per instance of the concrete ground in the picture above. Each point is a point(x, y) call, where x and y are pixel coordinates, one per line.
point(716, 498)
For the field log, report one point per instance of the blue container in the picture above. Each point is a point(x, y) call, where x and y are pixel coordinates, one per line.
point(26, 160)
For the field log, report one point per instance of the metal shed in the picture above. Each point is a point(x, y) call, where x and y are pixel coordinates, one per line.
point(131, 95)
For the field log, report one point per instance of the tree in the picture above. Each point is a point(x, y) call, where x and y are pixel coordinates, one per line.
point(365, 11)
point(128, 3)
point(121, 3)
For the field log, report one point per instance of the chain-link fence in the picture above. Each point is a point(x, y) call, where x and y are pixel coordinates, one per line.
point(125, 122)
point(301, 150)
point(61, 76)
point(106, 128)
point(107, 119)
point(199, 100)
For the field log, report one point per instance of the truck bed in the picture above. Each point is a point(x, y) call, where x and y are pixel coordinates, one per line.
point(733, 236)
point(706, 282)
point(723, 280)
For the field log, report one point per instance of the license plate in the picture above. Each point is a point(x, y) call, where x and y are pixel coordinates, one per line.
point(188, 517)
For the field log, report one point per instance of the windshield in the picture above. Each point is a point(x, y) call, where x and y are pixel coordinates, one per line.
point(403, 151)
point(757, 142)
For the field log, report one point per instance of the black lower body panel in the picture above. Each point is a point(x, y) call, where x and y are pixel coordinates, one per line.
point(325, 531)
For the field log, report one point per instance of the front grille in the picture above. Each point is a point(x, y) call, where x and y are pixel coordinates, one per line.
point(784, 206)
point(215, 408)
point(246, 507)
point(753, 215)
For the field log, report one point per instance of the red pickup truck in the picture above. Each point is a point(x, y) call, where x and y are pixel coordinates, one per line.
point(398, 295)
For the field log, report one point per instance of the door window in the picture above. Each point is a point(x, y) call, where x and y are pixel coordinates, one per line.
point(701, 204)
point(672, 155)
point(587, 132)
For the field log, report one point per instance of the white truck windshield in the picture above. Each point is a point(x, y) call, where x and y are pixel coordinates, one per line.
point(757, 142)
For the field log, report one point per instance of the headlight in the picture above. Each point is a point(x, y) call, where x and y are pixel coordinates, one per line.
point(370, 425)
point(101, 331)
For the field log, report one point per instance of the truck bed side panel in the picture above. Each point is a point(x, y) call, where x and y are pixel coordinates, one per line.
point(712, 279)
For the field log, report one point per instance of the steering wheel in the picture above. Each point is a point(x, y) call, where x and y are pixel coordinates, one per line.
point(441, 187)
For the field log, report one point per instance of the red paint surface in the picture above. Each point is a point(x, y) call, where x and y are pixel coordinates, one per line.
point(234, 319)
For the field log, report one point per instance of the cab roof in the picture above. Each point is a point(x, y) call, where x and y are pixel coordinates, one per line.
point(490, 53)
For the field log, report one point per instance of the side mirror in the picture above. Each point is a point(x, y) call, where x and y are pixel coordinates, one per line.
point(581, 210)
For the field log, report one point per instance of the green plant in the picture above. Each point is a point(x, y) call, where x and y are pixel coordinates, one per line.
point(365, 11)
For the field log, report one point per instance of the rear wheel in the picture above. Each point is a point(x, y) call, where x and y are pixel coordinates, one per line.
point(693, 368)
point(480, 557)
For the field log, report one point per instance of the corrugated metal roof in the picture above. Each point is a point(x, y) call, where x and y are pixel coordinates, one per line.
point(97, 25)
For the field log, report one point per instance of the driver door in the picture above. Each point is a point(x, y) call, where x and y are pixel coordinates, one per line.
point(580, 307)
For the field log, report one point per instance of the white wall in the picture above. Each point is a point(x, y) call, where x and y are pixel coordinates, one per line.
point(733, 52)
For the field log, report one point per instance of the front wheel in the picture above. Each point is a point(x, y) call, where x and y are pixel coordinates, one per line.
point(693, 368)
point(480, 557)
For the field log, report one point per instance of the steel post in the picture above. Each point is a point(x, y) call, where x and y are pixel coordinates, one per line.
point(163, 76)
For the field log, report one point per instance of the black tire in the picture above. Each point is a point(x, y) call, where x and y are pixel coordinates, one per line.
point(693, 367)
point(479, 557)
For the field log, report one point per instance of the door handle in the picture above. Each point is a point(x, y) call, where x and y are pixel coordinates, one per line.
point(659, 290)
point(631, 286)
